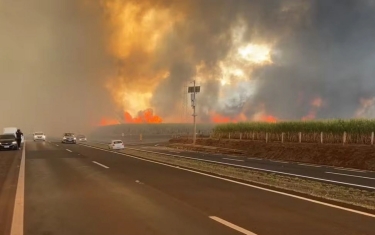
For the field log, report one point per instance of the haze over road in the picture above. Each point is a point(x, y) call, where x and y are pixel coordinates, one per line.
point(74, 189)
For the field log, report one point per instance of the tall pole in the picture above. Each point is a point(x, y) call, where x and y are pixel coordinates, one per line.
point(194, 115)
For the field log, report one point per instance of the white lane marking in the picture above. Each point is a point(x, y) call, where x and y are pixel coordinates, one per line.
point(174, 151)
point(253, 158)
point(68, 150)
point(241, 183)
point(97, 163)
point(232, 226)
point(256, 168)
point(357, 176)
point(18, 212)
point(231, 159)
point(57, 145)
point(278, 161)
point(306, 164)
point(348, 169)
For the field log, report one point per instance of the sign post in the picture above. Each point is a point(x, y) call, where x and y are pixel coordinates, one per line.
point(193, 90)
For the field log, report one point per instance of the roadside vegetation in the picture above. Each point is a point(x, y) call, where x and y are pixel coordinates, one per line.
point(358, 131)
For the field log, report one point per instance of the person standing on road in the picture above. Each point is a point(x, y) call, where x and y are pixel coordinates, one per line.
point(19, 135)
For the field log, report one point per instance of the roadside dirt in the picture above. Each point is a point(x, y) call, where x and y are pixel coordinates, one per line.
point(350, 156)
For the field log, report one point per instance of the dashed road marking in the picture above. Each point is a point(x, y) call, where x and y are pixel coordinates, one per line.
point(356, 176)
point(231, 159)
point(349, 169)
point(306, 164)
point(232, 226)
point(253, 158)
point(97, 163)
point(278, 161)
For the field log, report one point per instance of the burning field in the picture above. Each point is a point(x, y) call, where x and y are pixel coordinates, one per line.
point(106, 62)
point(255, 60)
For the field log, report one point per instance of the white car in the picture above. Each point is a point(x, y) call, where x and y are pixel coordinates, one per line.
point(39, 136)
point(116, 144)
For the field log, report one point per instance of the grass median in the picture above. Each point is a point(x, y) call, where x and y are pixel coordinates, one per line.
point(332, 192)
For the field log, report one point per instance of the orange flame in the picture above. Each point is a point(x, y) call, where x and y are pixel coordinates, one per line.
point(221, 119)
point(268, 118)
point(146, 116)
point(217, 118)
point(108, 122)
point(316, 104)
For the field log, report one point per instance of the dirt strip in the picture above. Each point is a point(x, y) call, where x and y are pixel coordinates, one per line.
point(338, 155)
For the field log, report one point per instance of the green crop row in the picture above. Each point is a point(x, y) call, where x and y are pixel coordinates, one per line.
point(354, 126)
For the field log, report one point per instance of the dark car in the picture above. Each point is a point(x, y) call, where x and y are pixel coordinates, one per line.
point(69, 138)
point(8, 141)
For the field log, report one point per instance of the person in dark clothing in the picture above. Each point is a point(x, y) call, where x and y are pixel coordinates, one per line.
point(19, 135)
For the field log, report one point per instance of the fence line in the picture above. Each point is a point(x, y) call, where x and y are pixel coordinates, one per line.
point(299, 137)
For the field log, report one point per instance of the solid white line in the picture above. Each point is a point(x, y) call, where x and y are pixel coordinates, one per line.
point(18, 212)
point(306, 164)
point(100, 164)
point(231, 159)
point(68, 150)
point(348, 169)
point(232, 226)
point(240, 183)
point(357, 176)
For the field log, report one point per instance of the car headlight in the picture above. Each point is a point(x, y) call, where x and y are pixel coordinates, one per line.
point(14, 142)
point(64, 138)
point(75, 138)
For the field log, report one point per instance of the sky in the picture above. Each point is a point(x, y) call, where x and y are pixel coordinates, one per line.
point(74, 64)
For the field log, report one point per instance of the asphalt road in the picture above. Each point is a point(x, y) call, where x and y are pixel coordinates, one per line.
point(73, 189)
point(342, 176)
point(9, 166)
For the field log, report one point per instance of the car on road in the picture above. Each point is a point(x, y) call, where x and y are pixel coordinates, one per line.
point(8, 142)
point(81, 138)
point(12, 130)
point(69, 138)
point(116, 144)
point(39, 136)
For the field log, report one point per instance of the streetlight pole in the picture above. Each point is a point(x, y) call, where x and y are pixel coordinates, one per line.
point(194, 115)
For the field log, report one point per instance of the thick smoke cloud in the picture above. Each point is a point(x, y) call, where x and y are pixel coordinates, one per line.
point(53, 66)
point(329, 55)
point(321, 50)
point(66, 64)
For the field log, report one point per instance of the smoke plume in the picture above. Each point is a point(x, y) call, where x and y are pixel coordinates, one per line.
point(253, 59)
point(73, 63)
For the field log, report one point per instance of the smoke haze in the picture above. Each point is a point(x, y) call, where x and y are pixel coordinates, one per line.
point(52, 66)
point(68, 64)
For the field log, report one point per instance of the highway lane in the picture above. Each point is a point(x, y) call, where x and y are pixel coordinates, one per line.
point(255, 210)
point(65, 193)
point(346, 176)
point(9, 162)
point(342, 176)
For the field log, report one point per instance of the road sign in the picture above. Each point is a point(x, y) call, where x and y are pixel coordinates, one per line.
point(191, 89)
